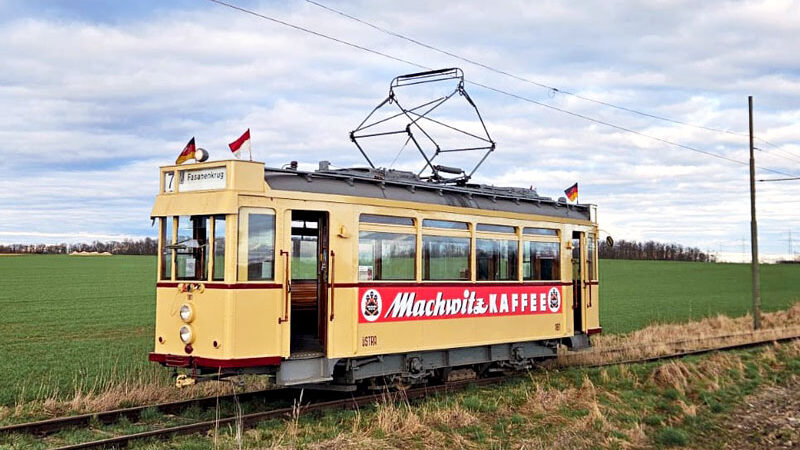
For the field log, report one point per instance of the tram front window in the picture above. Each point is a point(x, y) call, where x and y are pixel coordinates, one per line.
point(191, 248)
point(219, 248)
point(166, 251)
point(256, 244)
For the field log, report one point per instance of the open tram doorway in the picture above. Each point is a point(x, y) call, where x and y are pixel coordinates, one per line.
point(577, 280)
point(309, 281)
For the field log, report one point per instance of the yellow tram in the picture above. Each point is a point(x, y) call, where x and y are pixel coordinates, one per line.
point(350, 276)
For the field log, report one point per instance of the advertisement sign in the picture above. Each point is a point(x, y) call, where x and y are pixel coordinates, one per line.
point(402, 303)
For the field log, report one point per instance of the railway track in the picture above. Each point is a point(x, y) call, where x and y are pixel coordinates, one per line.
point(45, 427)
point(50, 426)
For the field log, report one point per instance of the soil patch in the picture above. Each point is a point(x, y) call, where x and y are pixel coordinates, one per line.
point(768, 419)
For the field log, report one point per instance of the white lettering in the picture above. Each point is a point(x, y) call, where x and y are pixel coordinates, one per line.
point(402, 306)
point(438, 310)
point(493, 303)
point(419, 308)
point(503, 303)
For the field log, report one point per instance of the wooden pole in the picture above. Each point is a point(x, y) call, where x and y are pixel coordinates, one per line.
point(754, 228)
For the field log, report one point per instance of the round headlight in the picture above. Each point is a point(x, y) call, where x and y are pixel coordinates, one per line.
point(186, 335)
point(187, 313)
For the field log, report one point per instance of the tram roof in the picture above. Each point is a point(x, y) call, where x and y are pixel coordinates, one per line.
point(406, 186)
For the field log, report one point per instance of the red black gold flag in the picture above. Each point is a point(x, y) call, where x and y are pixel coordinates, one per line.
point(572, 192)
point(187, 153)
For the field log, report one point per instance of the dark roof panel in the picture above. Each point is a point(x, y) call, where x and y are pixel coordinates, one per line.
point(402, 186)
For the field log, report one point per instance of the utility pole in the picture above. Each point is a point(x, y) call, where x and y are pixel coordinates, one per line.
point(754, 228)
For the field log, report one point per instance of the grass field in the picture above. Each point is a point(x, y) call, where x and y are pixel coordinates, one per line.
point(634, 294)
point(70, 323)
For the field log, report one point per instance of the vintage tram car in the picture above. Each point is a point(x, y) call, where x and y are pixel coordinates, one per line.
point(365, 276)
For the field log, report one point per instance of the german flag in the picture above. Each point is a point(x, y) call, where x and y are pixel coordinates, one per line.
point(187, 153)
point(572, 192)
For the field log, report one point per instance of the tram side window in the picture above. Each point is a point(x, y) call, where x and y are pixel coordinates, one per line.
point(166, 253)
point(541, 261)
point(445, 258)
point(219, 248)
point(256, 246)
point(191, 248)
point(496, 259)
point(386, 256)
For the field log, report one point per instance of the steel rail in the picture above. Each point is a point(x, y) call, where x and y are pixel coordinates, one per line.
point(249, 419)
point(49, 426)
point(353, 402)
point(685, 353)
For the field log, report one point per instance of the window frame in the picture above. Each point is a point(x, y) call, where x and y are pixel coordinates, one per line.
point(546, 239)
point(498, 237)
point(467, 233)
point(389, 218)
point(164, 243)
point(242, 223)
point(591, 255)
point(407, 231)
point(468, 227)
point(555, 232)
point(213, 245)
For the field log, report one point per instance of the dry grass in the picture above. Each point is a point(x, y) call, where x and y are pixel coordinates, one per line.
point(545, 409)
point(400, 419)
point(657, 340)
point(116, 394)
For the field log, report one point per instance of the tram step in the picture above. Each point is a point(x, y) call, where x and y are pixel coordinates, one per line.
point(304, 371)
point(578, 341)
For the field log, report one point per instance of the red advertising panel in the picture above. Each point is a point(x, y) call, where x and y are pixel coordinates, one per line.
point(415, 302)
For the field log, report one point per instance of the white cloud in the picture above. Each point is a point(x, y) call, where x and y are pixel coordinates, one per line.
point(89, 110)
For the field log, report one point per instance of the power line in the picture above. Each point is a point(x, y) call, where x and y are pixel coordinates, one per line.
point(523, 79)
point(780, 154)
point(500, 91)
point(316, 33)
point(779, 179)
point(621, 128)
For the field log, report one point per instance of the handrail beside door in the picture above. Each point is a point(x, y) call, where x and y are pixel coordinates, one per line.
point(287, 288)
point(332, 284)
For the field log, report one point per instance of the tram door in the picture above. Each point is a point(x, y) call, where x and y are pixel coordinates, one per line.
point(577, 280)
point(309, 281)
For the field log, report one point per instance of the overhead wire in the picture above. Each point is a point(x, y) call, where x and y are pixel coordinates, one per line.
point(524, 79)
point(490, 88)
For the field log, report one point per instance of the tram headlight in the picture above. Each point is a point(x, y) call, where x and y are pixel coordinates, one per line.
point(187, 313)
point(186, 334)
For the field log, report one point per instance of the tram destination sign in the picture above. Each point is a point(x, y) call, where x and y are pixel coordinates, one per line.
point(402, 303)
point(210, 178)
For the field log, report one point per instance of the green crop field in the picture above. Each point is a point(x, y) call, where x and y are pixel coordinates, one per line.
point(69, 323)
point(634, 294)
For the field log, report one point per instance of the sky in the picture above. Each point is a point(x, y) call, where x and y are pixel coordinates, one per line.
point(96, 95)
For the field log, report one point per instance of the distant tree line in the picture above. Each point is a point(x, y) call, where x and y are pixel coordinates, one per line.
point(652, 251)
point(146, 246)
point(621, 250)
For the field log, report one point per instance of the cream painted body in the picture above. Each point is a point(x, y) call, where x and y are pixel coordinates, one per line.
point(245, 322)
